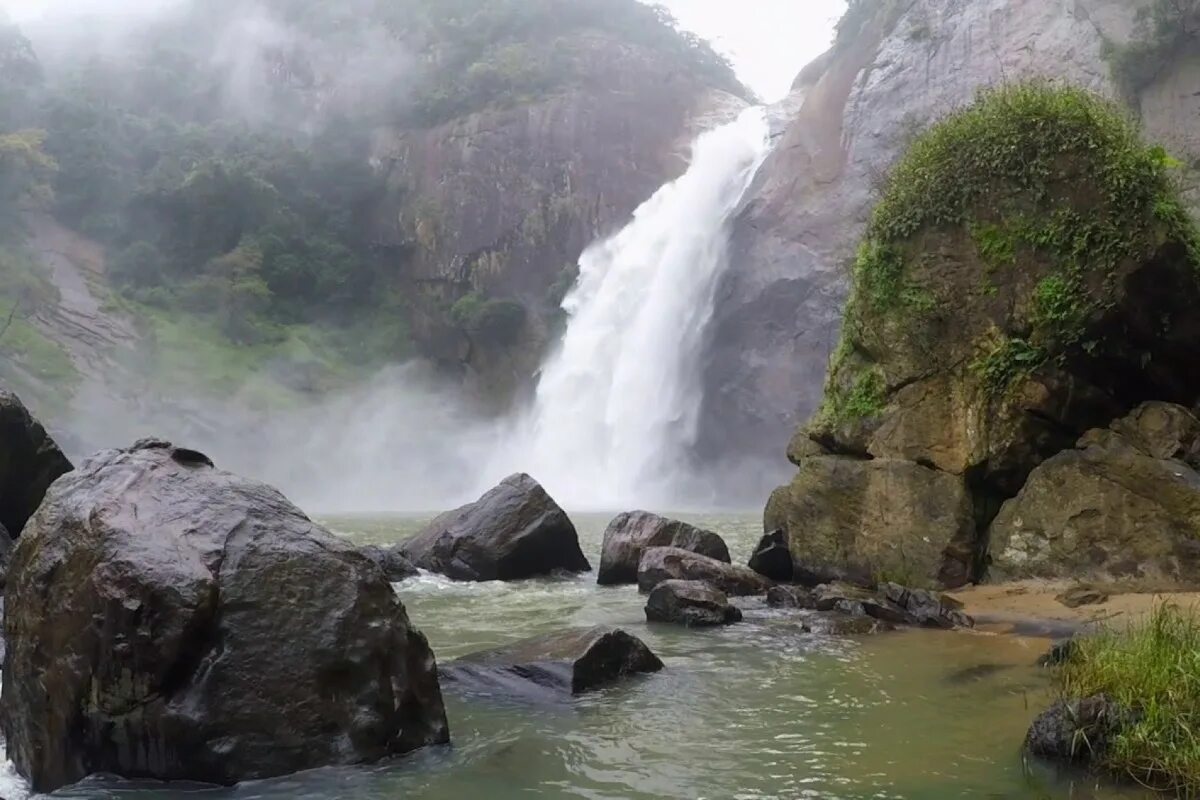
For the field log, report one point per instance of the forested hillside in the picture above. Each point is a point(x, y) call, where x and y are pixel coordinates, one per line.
point(224, 155)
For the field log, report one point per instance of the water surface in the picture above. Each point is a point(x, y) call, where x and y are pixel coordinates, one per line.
point(754, 711)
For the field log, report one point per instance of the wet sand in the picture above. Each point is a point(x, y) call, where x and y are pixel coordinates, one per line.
point(1033, 608)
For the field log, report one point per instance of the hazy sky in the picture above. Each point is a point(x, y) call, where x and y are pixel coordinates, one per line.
point(768, 40)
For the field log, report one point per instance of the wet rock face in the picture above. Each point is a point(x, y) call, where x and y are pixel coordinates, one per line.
point(395, 565)
point(692, 603)
point(1079, 730)
point(29, 462)
point(513, 532)
point(772, 559)
point(1124, 504)
point(875, 517)
point(552, 666)
point(170, 620)
point(630, 535)
point(779, 313)
point(660, 564)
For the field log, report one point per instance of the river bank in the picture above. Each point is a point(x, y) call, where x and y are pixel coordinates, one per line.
point(1047, 607)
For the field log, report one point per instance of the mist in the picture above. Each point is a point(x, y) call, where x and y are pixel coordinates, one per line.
point(408, 438)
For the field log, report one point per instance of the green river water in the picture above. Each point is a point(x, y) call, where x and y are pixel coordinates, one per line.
point(754, 711)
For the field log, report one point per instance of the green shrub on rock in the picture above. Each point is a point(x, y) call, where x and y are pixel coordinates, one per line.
point(1011, 235)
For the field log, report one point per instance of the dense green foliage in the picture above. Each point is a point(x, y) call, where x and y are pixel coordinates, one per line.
point(500, 52)
point(1166, 28)
point(221, 156)
point(1152, 668)
point(1029, 171)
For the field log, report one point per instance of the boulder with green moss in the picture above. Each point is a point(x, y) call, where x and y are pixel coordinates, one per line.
point(1028, 274)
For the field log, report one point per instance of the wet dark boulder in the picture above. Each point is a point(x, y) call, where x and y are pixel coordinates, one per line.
point(927, 609)
point(170, 620)
point(29, 462)
point(553, 666)
point(395, 565)
point(772, 559)
point(631, 534)
point(660, 564)
point(791, 597)
point(1077, 730)
point(692, 603)
point(515, 531)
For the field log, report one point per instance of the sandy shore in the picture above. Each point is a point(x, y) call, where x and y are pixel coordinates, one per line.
point(1033, 608)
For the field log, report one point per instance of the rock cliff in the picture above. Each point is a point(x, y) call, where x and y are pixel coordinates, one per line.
point(895, 68)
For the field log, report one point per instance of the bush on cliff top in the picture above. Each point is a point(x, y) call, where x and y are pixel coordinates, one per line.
point(1153, 668)
point(1029, 170)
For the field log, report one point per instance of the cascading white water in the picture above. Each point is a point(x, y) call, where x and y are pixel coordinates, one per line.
point(618, 404)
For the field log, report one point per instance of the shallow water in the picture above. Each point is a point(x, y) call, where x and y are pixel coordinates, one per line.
point(754, 711)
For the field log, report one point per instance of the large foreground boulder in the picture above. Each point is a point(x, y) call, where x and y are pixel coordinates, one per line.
point(880, 517)
point(1124, 504)
point(170, 620)
point(553, 666)
point(515, 531)
point(631, 534)
point(29, 462)
point(694, 604)
point(660, 564)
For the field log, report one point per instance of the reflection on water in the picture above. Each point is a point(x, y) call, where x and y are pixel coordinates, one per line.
point(754, 711)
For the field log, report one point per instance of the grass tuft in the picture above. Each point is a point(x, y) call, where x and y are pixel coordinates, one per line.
point(1153, 668)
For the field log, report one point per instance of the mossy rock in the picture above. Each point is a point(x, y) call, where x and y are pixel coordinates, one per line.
point(1028, 274)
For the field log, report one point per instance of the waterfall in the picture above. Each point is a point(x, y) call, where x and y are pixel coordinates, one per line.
point(618, 403)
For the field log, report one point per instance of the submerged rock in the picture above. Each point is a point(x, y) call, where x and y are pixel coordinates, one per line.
point(692, 603)
point(29, 462)
point(395, 565)
point(170, 620)
point(837, 623)
point(515, 531)
point(772, 559)
point(791, 597)
point(660, 564)
point(544, 667)
point(1078, 730)
point(1121, 505)
point(631, 534)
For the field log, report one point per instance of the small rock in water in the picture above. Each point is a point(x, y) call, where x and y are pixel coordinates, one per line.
point(1060, 653)
point(660, 564)
point(552, 666)
point(772, 559)
point(629, 536)
point(1078, 596)
point(1078, 730)
point(791, 597)
point(692, 603)
point(392, 561)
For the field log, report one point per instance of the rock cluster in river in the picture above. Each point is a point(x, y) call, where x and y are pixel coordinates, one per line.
point(170, 620)
point(660, 564)
point(629, 535)
point(514, 531)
